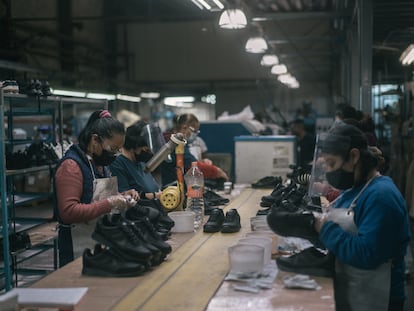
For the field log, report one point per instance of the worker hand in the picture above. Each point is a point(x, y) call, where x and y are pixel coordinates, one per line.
point(222, 174)
point(207, 161)
point(132, 193)
point(320, 220)
point(121, 202)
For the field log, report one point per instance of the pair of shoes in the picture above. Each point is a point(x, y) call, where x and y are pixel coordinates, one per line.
point(267, 182)
point(226, 224)
point(310, 261)
point(104, 262)
point(295, 224)
point(9, 86)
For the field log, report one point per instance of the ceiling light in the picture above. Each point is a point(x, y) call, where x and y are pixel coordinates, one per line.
point(269, 60)
point(286, 78)
point(256, 45)
point(232, 19)
point(100, 96)
point(68, 93)
point(128, 98)
point(407, 57)
point(219, 4)
point(278, 69)
point(179, 101)
point(151, 95)
point(204, 4)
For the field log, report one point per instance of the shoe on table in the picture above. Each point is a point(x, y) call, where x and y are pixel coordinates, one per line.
point(267, 182)
point(310, 261)
point(231, 222)
point(103, 262)
point(215, 221)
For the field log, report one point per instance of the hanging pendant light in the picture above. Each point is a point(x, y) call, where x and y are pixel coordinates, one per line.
point(269, 60)
point(256, 45)
point(233, 19)
point(279, 69)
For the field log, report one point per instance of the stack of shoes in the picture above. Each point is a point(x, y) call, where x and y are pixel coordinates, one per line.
point(226, 224)
point(131, 241)
point(9, 86)
point(212, 199)
point(310, 261)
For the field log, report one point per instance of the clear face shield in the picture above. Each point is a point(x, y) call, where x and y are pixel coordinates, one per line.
point(326, 145)
point(153, 136)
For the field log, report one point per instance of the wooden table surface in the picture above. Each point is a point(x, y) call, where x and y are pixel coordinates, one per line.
point(191, 278)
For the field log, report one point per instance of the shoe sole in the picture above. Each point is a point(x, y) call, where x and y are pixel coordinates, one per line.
point(230, 229)
point(97, 272)
point(210, 229)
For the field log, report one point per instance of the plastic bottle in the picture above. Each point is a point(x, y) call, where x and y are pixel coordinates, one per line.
point(194, 180)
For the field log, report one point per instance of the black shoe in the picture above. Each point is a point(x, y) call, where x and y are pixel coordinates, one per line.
point(163, 219)
point(231, 222)
point(310, 261)
point(295, 224)
point(117, 234)
point(213, 199)
point(215, 221)
point(103, 262)
point(267, 182)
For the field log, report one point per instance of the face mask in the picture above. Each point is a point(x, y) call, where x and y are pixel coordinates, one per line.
point(144, 156)
point(104, 159)
point(340, 179)
point(192, 138)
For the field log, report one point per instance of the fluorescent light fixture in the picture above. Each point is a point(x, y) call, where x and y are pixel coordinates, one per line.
point(256, 45)
point(152, 95)
point(286, 78)
point(269, 60)
point(197, 4)
point(128, 98)
point(407, 57)
point(100, 96)
point(294, 85)
point(179, 101)
point(68, 93)
point(278, 69)
point(232, 19)
point(204, 4)
point(219, 4)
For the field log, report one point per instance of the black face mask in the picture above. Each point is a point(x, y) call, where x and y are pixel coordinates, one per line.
point(104, 159)
point(340, 179)
point(144, 156)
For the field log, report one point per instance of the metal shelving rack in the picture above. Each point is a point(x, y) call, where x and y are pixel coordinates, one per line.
point(56, 111)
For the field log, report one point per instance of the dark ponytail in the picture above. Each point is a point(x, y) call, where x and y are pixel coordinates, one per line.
point(102, 124)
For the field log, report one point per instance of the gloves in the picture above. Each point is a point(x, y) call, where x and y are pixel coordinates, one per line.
point(120, 202)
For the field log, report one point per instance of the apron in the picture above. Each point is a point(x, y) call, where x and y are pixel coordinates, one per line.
point(358, 289)
point(81, 232)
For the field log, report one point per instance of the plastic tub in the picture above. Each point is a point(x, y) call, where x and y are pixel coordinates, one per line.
point(184, 221)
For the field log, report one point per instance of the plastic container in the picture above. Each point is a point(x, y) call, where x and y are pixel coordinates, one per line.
point(265, 242)
point(246, 259)
point(184, 221)
point(194, 180)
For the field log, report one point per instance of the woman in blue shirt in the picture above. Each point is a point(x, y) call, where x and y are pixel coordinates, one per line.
point(366, 227)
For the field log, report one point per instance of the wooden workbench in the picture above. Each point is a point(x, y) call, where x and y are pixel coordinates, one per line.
point(191, 278)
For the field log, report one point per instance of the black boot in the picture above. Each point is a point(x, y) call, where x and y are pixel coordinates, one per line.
point(231, 222)
point(215, 221)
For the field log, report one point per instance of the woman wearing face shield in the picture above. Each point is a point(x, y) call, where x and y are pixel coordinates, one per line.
point(366, 227)
point(84, 186)
point(130, 164)
point(188, 125)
